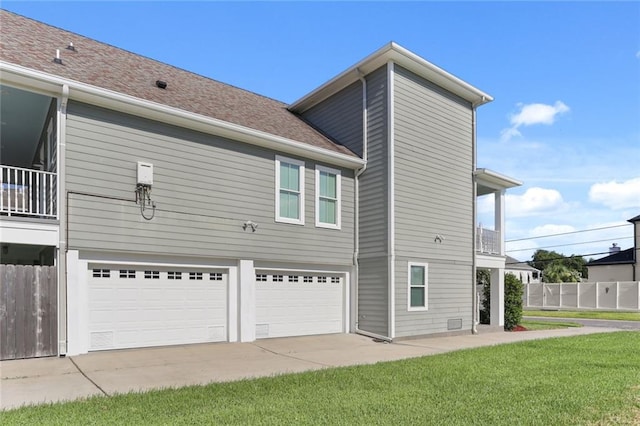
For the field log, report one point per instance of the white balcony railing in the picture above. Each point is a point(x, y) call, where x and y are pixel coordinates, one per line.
point(487, 241)
point(26, 192)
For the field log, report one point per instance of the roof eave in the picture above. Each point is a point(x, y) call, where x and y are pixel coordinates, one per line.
point(51, 84)
point(495, 180)
point(395, 53)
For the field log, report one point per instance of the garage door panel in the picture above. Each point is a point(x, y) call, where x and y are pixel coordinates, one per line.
point(152, 309)
point(286, 305)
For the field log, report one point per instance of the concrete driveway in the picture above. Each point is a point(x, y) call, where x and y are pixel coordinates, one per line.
point(36, 381)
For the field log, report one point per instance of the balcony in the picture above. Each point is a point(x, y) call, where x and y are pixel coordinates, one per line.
point(487, 241)
point(28, 193)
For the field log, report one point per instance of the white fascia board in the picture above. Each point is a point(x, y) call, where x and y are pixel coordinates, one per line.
point(47, 83)
point(495, 180)
point(392, 52)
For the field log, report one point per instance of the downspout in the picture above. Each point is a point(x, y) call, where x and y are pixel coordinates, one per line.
point(356, 243)
point(63, 332)
point(474, 296)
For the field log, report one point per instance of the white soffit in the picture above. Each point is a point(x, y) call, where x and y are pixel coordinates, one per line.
point(495, 180)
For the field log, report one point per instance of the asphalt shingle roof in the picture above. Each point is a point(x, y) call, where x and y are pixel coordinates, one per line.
point(33, 45)
point(623, 256)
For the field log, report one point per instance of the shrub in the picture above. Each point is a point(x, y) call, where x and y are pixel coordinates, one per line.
point(483, 279)
point(513, 290)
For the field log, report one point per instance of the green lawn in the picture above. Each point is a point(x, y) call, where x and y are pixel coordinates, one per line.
point(593, 379)
point(547, 325)
point(605, 315)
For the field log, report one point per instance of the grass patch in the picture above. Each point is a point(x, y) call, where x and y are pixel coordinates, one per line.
point(605, 315)
point(547, 325)
point(592, 379)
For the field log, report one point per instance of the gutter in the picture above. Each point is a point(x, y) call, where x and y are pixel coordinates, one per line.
point(94, 95)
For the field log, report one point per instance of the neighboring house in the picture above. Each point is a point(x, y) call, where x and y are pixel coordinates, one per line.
point(619, 265)
point(522, 270)
point(176, 209)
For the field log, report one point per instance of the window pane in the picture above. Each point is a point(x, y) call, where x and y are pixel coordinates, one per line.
point(328, 185)
point(289, 177)
point(417, 296)
point(417, 275)
point(289, 205)
point(328, 211)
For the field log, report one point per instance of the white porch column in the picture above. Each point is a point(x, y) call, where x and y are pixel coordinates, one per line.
point(497, 297)
point(247, 292)
point(499, 218)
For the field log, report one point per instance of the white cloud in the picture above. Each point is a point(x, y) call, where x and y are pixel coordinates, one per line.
point(550, 229)
point(534, 201)
point(531, 114)
point(638, 54)
point(616, 195)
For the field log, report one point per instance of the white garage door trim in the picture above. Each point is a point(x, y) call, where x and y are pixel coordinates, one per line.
point(300, 302)
point(153, 308)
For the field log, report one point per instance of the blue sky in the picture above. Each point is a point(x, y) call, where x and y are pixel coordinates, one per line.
point(565, 78)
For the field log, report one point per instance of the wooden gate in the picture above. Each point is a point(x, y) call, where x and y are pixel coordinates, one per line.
point(28, 311)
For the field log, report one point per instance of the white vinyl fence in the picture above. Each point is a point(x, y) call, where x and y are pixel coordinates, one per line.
point(620, 295)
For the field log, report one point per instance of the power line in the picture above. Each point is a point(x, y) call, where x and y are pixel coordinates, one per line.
point(569, 244)
point(568, 233)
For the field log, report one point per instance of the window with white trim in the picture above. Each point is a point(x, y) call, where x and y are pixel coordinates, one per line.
point(127, 273)
point(418, 286)
point(328, 197)
point(152, 275)
point(174, 275)
point(289, 190)
point(101, 273)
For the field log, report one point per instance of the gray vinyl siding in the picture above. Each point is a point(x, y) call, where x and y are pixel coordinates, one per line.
point(205, 188)
point(340, 117)
point(373, 285)
point(449, 298)
point(433, 196)
point(373, 296)
point(374, 182)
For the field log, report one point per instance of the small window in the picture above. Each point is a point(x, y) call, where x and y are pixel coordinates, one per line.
point(417, 286)
point(101, 273)
point(261, 277)
point(215, 276)
point(278, 278)
point(335, 280)
point(307, 279)
point(127, 273)
point(195, 275)
point(292, 278)
point(327, 197)
point(289, 190)
point(174, 275)
point(152, 275)
point(322, 280)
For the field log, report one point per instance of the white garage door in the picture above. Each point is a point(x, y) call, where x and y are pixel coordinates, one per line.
point(139, 306)
point(299, 304)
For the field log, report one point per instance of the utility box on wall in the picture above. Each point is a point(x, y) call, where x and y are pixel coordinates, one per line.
point(145, 173)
